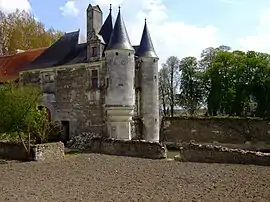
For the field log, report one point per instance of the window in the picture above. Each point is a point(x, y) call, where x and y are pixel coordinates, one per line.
point(94, 51)
point(94, 79)
point(107, 82)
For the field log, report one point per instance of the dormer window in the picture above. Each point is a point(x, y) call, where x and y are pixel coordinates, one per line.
point(94, 51)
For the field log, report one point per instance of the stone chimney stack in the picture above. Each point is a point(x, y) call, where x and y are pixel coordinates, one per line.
point(94, 20)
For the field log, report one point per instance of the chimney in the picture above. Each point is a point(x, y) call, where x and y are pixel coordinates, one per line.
point(94, 20)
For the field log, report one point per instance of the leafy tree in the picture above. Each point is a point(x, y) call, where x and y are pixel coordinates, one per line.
point(20, 30)
point(20, 113)
point(169, 83)
point(164, 90)
point(191, 88)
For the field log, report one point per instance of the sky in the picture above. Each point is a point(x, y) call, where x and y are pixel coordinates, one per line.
point(178, 27)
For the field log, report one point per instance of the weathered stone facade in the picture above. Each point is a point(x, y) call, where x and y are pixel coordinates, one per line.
point(100, 89)
point(71, 97)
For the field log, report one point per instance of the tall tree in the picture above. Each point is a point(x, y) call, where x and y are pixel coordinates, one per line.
point(20, 30)
point(191, 88)
point(171, 76)
point(164, 90)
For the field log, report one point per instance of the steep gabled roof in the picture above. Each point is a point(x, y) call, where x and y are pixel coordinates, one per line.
point(119, 39)
point(58, 53)
point(107, 28)
point(11, 65)
point(146, 48)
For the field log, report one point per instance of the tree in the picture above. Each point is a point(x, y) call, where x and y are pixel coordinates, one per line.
point(169, 81)
point(20, 30)
point(164, 90)
point(191, 88)
point(20, 113)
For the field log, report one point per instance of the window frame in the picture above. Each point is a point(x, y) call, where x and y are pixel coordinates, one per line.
point(96, 76)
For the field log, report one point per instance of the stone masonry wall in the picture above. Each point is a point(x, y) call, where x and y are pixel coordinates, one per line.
point(73, 98)
point(217, 154)
point(132, 148)
point(49, 151)
point(209, 130)
point(40, 152)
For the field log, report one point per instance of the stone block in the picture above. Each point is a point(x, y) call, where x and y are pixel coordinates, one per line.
point(48, 152)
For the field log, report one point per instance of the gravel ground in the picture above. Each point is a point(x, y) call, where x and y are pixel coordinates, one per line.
point(95, 177)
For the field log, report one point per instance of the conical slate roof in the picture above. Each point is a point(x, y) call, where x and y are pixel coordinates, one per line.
point(146, 48)
point(119, 38)
point(107, 28)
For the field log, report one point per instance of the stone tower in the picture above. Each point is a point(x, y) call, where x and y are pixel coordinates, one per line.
point(149, 87)
point(120, 95)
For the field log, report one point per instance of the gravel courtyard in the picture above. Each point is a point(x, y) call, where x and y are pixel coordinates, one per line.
point(95, 177)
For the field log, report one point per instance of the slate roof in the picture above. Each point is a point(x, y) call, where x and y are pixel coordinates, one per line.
point(107, 28)
point(59, 53)
point(119, 37)
point(146, 48)
point(67, 51)
point(11, 65)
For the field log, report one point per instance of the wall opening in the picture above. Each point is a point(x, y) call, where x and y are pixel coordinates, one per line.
point(65, 131)
point(48, 113)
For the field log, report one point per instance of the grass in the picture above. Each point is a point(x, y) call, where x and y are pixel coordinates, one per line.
point(172, 153)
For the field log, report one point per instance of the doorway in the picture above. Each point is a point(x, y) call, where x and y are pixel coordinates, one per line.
point(65, 131)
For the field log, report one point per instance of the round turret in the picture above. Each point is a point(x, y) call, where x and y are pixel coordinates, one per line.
point(120, 93)
point(149, 87)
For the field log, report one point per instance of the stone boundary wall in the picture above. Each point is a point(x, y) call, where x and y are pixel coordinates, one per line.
point(132, 148)
point(231, 130)
point(40, 152)
point(217, 154)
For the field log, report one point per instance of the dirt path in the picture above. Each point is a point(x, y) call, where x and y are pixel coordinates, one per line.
point(94, 177)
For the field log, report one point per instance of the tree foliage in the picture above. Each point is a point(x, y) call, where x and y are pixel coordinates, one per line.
point(20, 114)
point(225, 81)
point(169, 85)
point(20, 30)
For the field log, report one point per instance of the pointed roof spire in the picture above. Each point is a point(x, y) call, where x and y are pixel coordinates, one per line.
point(107, 27)
point(146, 48)
point(119, 37)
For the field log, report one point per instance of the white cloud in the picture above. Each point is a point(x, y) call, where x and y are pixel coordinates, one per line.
point(69, 9)
point(170, 37)
point(259, 41)
point(8, 6)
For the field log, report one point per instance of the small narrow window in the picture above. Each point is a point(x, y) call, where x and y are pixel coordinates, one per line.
point(155, 77)
point(107, 82)
point(94, 51)
point(94, 79)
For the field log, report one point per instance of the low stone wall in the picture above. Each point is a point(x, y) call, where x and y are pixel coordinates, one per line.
point(132, 148)
point(217, 154)
point(49, 151)
point(233, 130)
point(14, 151)
point(39, 152)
